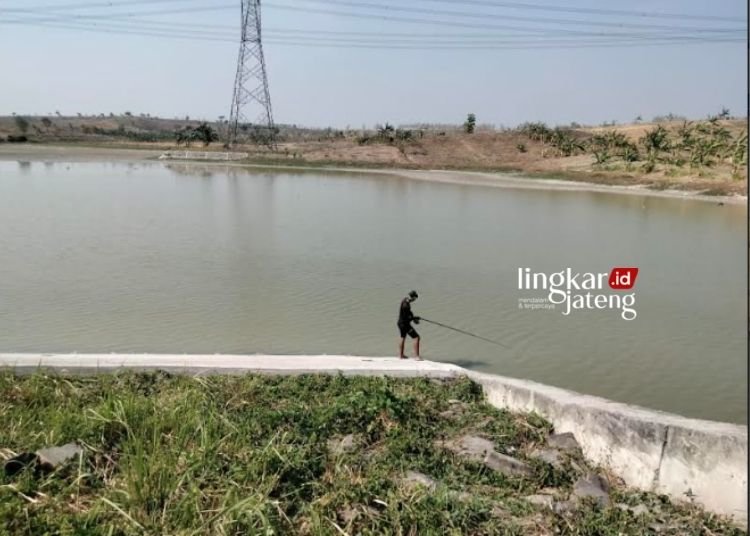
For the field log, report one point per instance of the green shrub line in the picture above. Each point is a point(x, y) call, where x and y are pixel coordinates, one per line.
point(697, 144)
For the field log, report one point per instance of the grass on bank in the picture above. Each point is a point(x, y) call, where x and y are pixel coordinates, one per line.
point(250, 455)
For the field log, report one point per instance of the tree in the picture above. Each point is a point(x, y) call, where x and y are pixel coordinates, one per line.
point(22, 124)
point(46, 122)
point(470, 124)
point(205, 133)
point(386, 132)
point(185, 136)
point(724, 113)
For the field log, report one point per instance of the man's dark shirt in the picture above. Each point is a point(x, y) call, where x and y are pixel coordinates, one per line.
point(405, 316)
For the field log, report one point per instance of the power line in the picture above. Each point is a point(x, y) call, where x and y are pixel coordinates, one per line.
point(422, 34)
point(344, 36)
point(483, 16)
point(85, 5)
point(131, 15)
point(588, 11)
point(602, 44)
point(453, 24)
point(468, 38)
point(354, 43)
point(528, 30)
point(521, 6)
point(53, 18)
point(118, 30)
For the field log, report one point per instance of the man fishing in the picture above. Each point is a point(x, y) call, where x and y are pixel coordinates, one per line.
point(405, 318)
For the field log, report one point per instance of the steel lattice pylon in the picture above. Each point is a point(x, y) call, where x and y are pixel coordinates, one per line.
point(251, 83)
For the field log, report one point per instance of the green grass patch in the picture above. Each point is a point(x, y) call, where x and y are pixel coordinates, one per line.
point(251, 455)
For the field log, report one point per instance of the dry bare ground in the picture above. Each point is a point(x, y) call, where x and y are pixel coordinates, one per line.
point(506, 150)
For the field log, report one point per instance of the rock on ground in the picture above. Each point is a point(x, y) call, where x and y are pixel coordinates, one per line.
point(546, 501)
point(550, 456)
point(594, 486)
point(46, 459)
point(483, 450)
point(412, 478)
point(637, 510)
point(564, 442)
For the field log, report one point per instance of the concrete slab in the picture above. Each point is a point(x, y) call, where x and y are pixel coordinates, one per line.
point(229, 364)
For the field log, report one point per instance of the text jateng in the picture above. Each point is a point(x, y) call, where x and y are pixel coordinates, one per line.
point(582, 290)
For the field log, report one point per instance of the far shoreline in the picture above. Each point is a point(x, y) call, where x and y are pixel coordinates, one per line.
point(516, 180)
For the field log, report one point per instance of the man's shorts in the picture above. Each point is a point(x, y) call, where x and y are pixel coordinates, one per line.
point(407, 330)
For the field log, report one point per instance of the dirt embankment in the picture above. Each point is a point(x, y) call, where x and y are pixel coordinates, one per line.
point(576, 158)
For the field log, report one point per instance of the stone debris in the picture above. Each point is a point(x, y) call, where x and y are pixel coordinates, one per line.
point(547, 501)
point(507, 464)
point(562, 507)
point(412, 478)
point(483, 450)
point(565, 442)
point(594, 486)
point(52, 457)
point(342, 445)
point(457, 407)
point(637, 510)
point(550, 456)
point(45, 460)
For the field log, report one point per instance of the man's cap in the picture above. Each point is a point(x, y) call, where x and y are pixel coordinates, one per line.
point(413, 294)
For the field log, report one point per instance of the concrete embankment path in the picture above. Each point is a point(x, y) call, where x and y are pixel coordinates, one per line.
point(230, 364)
point(686, 459)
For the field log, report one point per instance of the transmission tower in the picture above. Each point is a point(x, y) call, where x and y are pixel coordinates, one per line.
point(251, 95)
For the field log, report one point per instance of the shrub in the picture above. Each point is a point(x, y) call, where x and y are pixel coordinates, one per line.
point(22, 124)
point(656, 141)
point(565, 142)
point(470, 124)
point(536, 131)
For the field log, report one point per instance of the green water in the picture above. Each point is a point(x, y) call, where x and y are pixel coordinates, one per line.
point(146, 257)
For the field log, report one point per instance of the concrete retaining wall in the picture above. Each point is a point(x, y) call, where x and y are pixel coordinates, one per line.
point(201, 155)
point(650, 450)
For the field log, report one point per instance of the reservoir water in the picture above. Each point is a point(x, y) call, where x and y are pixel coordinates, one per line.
point(175, 258)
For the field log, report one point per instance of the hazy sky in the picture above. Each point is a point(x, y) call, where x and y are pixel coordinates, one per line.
point(43, 69)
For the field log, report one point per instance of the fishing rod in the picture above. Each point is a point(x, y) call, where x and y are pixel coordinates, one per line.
point(464, 332)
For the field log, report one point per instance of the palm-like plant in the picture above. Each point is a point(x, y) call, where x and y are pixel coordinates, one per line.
point(656, 141)
point(738, 156)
